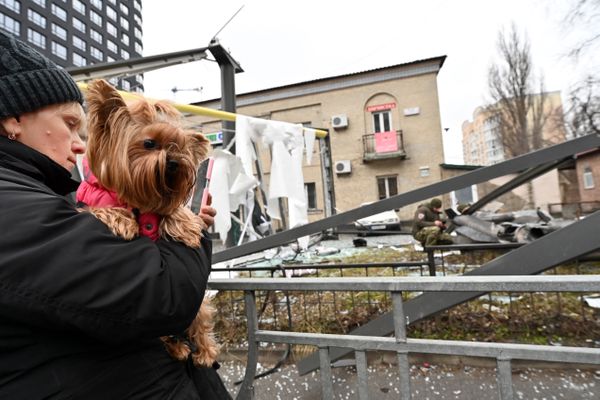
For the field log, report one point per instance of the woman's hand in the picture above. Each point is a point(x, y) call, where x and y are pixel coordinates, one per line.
point(207, 213)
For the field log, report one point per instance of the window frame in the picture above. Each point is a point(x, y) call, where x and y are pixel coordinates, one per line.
point(378, 118)
point(386, 180)
point(588, 178)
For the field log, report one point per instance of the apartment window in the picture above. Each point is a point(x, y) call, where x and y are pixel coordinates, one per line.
point(124, 9)
point(125, 23)
point(36, 18)
point(139, 79)
point(310, 192)
point(79, 6)
point(79, 43)
point(111, 13)
point(79, 60)
point(588, 178)
point(382, 121)
point(125, 85)
point(59, 31)
point(137, 5)
point(96, 36)
point(138, 48)
point(387, 186)
point(125, 39)
point(10, 25)
point(110, 28)
point(59, 12)
point(59, 50)
point(110, 59)
point(97, 4)
point(79, 25)
point(41, 3)
point(12, 5)
point(97, 53)
point(137, 19)
point(112, 46)
point(137, 33)
point(96, 18)
point(36, 38)
point(124, 54)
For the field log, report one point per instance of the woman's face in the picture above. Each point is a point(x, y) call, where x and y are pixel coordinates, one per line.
point(54, 131)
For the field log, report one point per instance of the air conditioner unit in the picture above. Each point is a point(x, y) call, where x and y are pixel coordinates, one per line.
point(339, 121)
point(343, 167)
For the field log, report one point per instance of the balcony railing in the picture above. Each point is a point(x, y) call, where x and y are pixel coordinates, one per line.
point(383, 145)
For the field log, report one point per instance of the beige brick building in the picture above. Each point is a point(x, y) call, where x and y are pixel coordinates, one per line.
point(384, 128)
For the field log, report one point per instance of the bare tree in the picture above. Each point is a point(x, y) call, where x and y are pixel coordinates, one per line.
point(519, 103)
point(518, 97)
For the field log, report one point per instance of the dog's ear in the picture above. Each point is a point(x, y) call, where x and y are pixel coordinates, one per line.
point(102, 100)
point(199, 144)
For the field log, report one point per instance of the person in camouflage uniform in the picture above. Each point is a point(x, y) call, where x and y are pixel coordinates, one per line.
point(428, 226)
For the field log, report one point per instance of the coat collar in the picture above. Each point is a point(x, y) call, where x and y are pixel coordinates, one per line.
point(21, 158)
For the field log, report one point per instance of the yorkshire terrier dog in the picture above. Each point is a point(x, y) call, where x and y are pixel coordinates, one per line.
point(144, 164)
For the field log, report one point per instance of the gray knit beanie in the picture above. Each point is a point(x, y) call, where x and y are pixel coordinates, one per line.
point(30, 81)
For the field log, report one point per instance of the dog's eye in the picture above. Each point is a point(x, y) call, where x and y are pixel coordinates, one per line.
point(149, 144)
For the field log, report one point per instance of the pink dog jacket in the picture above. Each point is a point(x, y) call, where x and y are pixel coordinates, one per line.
point(91, 193)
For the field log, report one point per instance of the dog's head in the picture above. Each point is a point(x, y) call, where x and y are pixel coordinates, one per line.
point(141, 151)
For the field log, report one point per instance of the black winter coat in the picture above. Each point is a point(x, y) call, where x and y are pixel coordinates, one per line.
point(81, 310)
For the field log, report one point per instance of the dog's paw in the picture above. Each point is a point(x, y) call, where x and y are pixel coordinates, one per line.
point(120, 221)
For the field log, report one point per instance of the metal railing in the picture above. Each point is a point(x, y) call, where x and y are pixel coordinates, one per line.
point(503, 353)
point(370, 152)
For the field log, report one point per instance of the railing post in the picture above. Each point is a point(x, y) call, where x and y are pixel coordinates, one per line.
point(400, 334)
point(326, 377)
point(504, 377)
point(361, 371)
point(430, 261)
point(247, 388)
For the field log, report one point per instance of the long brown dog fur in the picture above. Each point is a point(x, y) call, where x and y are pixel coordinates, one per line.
point(141, 178)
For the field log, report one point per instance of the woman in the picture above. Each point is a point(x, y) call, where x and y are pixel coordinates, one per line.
point(81, 310)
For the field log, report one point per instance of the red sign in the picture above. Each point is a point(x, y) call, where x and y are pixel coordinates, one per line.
point(381, 107)
point(385, 142)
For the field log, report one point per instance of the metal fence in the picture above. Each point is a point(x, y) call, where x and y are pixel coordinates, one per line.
point(403, 346)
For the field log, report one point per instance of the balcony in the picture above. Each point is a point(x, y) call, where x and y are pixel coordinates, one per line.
point(383, 145)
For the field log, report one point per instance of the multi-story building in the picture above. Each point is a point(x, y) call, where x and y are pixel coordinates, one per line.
point(483, 145)
point(482, 137)
point(384, 130)
point(79, 33)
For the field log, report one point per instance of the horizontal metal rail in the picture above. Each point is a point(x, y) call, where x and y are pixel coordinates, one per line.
point(506, 283)
point(566, 354)
point(407, 264)
point(504, 353)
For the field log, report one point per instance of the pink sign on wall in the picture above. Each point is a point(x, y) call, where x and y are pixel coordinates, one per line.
point(385, 142)
point(381, 107)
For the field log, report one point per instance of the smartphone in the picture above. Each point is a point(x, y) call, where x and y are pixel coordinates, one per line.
point(200, 196)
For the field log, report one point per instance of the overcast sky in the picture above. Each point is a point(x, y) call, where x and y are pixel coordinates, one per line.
point(281, 42)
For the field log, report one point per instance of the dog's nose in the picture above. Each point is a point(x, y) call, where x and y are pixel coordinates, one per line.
point(172, 165)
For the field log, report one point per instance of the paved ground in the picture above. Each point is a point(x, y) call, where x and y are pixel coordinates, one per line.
point(432, 382)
